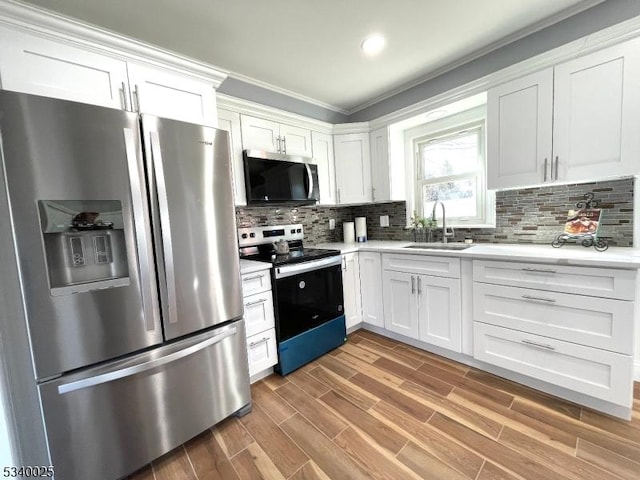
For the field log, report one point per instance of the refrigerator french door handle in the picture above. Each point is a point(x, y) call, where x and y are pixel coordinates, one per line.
point(169, 285)
point(143, 241)
point(310, 177)
point(144, 366)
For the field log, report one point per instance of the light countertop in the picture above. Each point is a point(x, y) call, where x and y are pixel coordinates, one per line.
point(614, 257)
point(250, 266)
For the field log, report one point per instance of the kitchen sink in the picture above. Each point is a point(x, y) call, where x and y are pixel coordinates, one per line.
point(440, 246)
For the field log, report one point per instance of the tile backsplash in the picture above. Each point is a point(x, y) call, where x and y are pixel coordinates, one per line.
point(531, 215)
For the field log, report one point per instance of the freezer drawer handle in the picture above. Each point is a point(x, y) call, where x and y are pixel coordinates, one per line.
point(539, 270)
point(258, 342)
point(257, 302)
point(539, 345)
point(143, 367)
point(539, 299)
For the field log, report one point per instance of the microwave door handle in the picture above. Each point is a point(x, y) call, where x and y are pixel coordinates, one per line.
point(310, 177)
point(144, 248)
point(168, 287)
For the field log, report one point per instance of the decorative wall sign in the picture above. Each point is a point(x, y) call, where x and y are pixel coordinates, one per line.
point(582, 225)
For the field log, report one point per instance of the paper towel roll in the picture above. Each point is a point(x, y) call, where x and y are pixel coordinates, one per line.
point(348, 232)
point(361, 229)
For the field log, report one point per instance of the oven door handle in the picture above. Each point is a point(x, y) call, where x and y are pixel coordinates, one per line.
point(297, 268)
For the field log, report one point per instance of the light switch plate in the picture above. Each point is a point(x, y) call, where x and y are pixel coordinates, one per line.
point(384, 220)
point(332, 224)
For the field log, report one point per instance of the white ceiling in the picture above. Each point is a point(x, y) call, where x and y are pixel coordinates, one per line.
point(312, 47)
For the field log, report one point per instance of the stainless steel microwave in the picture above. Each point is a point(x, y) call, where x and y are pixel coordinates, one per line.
point(278, 178)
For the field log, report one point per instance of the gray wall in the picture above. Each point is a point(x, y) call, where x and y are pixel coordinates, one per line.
point(600, 16)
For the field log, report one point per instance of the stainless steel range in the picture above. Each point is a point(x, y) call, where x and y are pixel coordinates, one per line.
point(307, 292)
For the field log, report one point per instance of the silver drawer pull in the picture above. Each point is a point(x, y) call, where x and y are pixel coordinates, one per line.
point(538, 299)
point(538, 270)
point(539, 345)
point(255, 277)
point(257, 302)
point(258, 342)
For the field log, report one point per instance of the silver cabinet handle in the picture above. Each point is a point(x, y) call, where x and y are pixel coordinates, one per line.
point(546, 164)
point(284, 145)
point(123, 96)
point(344, 264)
point(278, 144)
point(413, 286)
point(168, 287)
point(538, 299)
point(538, 270)
point(373, 194)
point(338, 192)
point(257, 302)
point(136, 97)
point(144, 246)
point(258, 342)
point(145, 366)
point(255, 277)
point(557, 167)
point(419, 285)
point(539, 345)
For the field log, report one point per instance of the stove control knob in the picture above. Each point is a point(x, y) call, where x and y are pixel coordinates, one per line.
point(299, 230)
point(244, 235)
point(252, 235)
point(293, 230)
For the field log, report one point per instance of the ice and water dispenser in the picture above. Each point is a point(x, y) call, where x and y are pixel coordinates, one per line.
point(84, 243)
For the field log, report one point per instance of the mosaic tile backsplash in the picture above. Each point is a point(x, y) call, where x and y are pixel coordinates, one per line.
point(531, 215)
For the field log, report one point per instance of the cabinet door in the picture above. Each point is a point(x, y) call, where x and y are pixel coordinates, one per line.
point(39, 66)
point(230, 121)
point(323, 157)
point(597, 114)
point(439, 312)
point(400, 303)
point(260, 134)
point(172, 95)
point(295, 141)
point(380, 174)
point(519, 128)
point(371, 288)
point(351, 286)
point(353, 167)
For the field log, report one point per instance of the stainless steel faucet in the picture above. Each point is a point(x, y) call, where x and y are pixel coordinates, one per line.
point(445, 234)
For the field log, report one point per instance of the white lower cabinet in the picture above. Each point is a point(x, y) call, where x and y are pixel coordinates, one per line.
point(423, 307)
point(371, 288)
point(351, 287)
point(259, 321)
point(591, 371)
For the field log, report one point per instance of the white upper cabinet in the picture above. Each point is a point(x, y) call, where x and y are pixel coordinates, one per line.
point(40, 66)
point(270, 136)
point(353, 167)
point(380, 180)
point(519, 127)
point(230, 121)
point(172, 95)
point(323, 157)
point(577, 121)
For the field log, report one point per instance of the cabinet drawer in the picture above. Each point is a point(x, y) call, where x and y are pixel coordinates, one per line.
point(593, 372)
point(596, 282)
point(258, 312)
point(256, 282)
point(429, 265)
point(262, 351)
point(590, 321)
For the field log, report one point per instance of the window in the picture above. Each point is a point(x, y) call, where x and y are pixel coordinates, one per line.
point(450, 169)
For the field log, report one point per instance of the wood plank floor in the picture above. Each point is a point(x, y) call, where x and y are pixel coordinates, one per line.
point(376, 408)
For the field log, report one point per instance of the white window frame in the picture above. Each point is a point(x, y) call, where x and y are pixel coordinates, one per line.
point(458, 122)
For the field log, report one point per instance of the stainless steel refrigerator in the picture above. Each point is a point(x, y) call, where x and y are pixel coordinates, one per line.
point(124, 238)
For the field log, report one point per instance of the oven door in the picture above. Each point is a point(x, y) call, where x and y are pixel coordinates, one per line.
point(307, 294)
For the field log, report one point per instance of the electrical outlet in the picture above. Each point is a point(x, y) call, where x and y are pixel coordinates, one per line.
point(384, 220)
point(332, 224)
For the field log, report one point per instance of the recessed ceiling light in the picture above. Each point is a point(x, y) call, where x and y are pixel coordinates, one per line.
point(373, 44)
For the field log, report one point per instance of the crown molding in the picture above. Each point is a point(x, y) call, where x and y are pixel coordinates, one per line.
point(247, 107)
point(64, 29)
point(288, 93)
point(345, 128)
point(607, 37)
